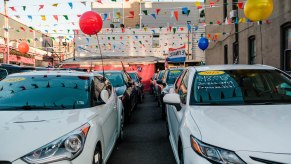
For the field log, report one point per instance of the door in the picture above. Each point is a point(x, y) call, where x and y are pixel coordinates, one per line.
point(109, 113)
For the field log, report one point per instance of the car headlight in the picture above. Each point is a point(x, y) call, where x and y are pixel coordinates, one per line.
point(67, 147)
point(215, 154)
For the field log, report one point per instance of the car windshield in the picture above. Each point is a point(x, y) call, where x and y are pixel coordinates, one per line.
point(240, 87)
point(115, 78)
point(44, 92)
point(133, 76)
point(160, 76)
point(173, 75)
point(3, 73)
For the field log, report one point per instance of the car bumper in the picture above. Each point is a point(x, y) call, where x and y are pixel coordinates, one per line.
point(191, 157)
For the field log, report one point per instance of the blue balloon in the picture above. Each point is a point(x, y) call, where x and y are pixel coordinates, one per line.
point(203, 43)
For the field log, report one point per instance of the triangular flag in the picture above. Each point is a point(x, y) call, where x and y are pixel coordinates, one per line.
point(84, 3)
point(99, 1)
point(66, 17)
point(174, 30)
point(105, 15)
point(154, 16)
point(17, 16)
point(55, 5)
point(55, 31)
point(123, 30)
point(41, 7)
point(71, 5)
point(158, 10)
point(185, 10)
point(29, 17)
point(197, 4)
point(211, 4)
point(24, 8)
point(240, 5)
point(88, 40)
point(118, 14)
point(12, 8)
point(145, 12)
point(43, 17)
point(176, 13)
point(188, 13)
point(22, 28)
point(131, 14)
point(56, 17)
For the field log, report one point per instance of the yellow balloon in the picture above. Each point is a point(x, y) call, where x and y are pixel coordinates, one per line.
point(258, 10)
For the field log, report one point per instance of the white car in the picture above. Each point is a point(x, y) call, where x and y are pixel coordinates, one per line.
point(230, 114)
point(58, 117)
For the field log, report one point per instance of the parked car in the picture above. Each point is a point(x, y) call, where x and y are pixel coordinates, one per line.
point(140, 88)
point(3, 73)
point(58, 117)
point(165, 84)
point(125, 90)
point(230, 114)
point(16, 69)
point(153, 79)
point(157, 87)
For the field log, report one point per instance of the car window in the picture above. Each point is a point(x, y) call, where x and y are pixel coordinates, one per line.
point(178, 82)
point(160, 75)
point(115, 78)
point(183, 89)
point(241, 87)
point(172, 76)
point(126, 79)
point(134, 77)
point(100, 84)
point(44, 91)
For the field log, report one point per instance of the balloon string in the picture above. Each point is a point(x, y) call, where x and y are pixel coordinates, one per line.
point(101, 56)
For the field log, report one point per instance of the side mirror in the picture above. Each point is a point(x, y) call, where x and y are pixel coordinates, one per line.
point(159, 81)
point(3, 73)
point(173, 99)
point(104, 95)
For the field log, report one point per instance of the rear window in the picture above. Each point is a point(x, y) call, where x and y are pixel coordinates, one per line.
point(115, 78)
point(173, 75)
point(44, 92)
point(133, 77)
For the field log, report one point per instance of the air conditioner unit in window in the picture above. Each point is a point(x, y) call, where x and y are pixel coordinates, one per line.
point(233, 14)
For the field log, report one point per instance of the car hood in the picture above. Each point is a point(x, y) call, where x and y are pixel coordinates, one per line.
point(25, 131)
point(261, 128)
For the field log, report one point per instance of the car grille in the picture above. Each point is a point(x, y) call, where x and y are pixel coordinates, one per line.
point(265, 161)
point(5, 162)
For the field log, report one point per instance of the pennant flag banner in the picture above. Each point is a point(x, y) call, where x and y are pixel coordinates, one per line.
point(41, 7)
point(55, 5)
point(29, 17)
point(43, 17)
point(24, 8)
point(12, 8)
point(71, 5)
point(176, 13)
point(84, 3)
point(56, 17)
point(66, 17)
point(154, 16)
point(145, 12)
point(185, 10)
point(177, 54)
point(131, 14)
point(158, 10)
point(105, 16)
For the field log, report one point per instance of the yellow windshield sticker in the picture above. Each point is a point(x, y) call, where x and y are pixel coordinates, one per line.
point(176, 71)
point(14, 79)
point(211, 73)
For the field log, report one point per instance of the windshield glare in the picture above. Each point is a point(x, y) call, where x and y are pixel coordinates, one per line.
point(115, 78)
point(44, 92)
point(172, 76)
point(240, 87)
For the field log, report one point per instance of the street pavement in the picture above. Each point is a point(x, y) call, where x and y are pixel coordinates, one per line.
point(146, 140)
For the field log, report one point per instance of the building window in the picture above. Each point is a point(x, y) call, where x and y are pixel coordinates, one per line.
point(226, 54)
point(156, 41)
point(252, 50)
point(286, 46)
point(235, 53)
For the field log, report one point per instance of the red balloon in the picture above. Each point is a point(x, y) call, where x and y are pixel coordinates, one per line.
point(23, 47)
point(90, 23)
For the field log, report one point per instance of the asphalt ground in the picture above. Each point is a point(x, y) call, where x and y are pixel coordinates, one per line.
point(146, 140)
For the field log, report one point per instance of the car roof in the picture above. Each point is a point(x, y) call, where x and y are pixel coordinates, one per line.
point(64, 73)
point(232, 67)
point(110, 71)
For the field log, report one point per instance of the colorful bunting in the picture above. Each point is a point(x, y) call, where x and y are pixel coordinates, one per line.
point(145, 12)
point(158, 10)
point(41, 7)
point(176, 13)
point(84, 3)
point(71, 5)
point(43, 17)
point(12, 8)
point(24, 8)
point(105, 15)
point(154, 16)
point(56, 17)
point(29, 17)
point(66, 17)
point(55, 5)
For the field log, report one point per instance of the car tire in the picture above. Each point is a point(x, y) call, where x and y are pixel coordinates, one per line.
point(121, 132)
point(97, 157)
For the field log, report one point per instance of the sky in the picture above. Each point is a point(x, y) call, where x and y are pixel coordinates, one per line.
point(51, 24)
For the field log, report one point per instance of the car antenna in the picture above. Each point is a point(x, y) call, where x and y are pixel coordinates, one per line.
point(101, 57)
point(123, 66)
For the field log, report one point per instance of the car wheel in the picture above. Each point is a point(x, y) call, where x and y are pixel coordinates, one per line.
point(97, 158)
point(121, 133)
point(180, 153)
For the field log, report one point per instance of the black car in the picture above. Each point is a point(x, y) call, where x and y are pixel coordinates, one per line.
point(140, 88)
point(166, 84)
point(125, 90)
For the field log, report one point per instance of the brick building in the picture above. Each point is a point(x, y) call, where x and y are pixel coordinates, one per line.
point(243, 42)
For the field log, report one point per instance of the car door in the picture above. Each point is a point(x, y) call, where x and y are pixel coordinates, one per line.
point(178, 115)
point(109, 113)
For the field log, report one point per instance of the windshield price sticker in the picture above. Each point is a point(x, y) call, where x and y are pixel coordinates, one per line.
point(211, 73)
point(14, 79)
